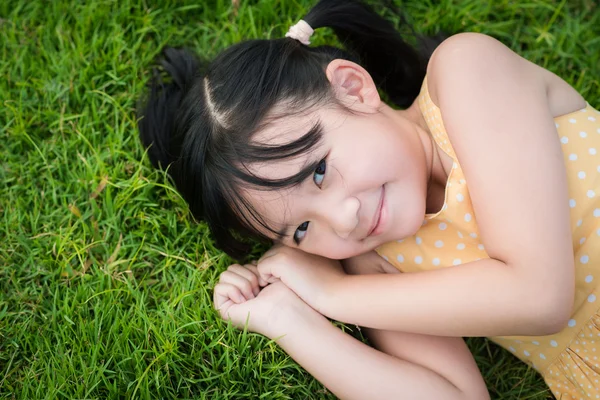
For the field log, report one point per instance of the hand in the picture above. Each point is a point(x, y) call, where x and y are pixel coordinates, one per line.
point(270, 311)
point(313, 278)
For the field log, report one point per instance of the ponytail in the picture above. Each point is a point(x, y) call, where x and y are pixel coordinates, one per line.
point(167, 86)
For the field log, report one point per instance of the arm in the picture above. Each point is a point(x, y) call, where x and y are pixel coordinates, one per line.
point(421, 367)
point(496, 110)
point(482, 298)
point(416, 366)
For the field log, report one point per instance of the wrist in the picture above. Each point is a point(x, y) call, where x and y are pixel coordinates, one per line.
point(290, 317)
point(334, 298)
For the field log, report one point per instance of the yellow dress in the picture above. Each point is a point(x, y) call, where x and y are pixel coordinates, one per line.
point(569, 361)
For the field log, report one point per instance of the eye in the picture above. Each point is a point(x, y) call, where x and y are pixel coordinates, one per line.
point(300, 232)
point(319, 174)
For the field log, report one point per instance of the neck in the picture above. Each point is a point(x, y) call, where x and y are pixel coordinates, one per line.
point(438, 163)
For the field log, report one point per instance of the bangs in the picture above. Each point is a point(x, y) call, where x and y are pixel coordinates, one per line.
point(244, 177)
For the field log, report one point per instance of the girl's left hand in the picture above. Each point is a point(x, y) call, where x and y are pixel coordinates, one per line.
point(313, 278)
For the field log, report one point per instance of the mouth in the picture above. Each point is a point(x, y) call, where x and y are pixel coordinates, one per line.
point(377, 218)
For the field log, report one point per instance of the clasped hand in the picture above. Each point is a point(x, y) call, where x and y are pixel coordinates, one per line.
point(280, 285)
point(313, 278)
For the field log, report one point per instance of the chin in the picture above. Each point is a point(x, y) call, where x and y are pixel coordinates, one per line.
point(409, 224)
point(338, 254)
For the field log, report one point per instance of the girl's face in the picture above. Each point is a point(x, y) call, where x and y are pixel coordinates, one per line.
point(371, 185)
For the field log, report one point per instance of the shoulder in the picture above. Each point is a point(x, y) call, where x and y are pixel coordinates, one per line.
point(469, 58)
point(467, 61)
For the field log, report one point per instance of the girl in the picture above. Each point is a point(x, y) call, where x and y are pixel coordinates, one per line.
point(483, 191)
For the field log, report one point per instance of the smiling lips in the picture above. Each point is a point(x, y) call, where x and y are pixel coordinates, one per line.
point(377, 217)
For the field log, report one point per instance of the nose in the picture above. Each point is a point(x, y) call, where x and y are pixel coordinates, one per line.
point(343, 216)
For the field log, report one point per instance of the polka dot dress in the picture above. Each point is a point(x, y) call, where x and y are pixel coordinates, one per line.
point(570, 359)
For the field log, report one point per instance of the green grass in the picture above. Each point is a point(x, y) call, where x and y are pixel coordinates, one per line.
point(105, 283)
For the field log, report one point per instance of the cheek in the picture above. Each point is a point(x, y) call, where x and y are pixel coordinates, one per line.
point(334, 248)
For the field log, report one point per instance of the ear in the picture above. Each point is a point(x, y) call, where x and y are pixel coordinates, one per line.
point(353, 86)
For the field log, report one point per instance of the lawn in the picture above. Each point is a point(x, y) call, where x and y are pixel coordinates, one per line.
point(105, 281)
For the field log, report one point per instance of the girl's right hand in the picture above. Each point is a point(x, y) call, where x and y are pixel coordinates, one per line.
point(270, 311)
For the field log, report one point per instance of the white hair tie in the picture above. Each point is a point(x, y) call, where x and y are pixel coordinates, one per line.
point(301, 32)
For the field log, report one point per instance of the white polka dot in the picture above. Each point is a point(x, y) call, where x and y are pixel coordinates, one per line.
point(400, 258)
point(572, 120)
point(512, 349)
point(592, 151)
point(535, 342)
point(439, 244)
point(591, 194)
point(584, 259)
point(582, 240)
point(468, 217)
point(591, 118)
point(386, 259)
point(418, 259)
point(572, 323)
point(436, 261)
point(442, 226)
point(543, 357)
point(553, 343)
point(579, 222)
point(460, 246)
point(400, 240)
point(456, 261)
point(460, 235)
point(597, 212)
point(591, 298)
point(589, 278)
point(480, 247)
point(572, 157)
point(418, 240)
point(462, 181)
point(583, 134)
point(460, 197)
point(564, 140)
point(555, 124)
point(598, 130)
point(473, 235)
point(581, 175)
point(598, 168)
point(527, 354)
point(572, 203)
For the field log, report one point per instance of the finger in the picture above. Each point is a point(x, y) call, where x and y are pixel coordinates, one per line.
point(250, 275)
point(267, 277)
point(239, 281)
point(267, 270)
point(232, 265)
point(254, 269)
point(226, 291)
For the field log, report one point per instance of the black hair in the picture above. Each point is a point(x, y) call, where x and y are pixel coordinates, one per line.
point(201, 121)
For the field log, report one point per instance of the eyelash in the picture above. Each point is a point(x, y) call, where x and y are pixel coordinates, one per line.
point(320, 170)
